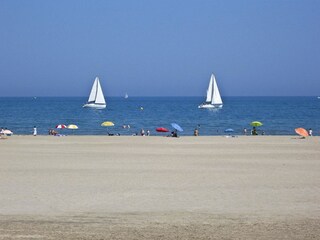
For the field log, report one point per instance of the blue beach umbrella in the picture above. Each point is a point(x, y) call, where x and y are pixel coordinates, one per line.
point(229, 130)
point(177, 127)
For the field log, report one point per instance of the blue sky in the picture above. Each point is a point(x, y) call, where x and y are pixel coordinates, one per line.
point(160, 48)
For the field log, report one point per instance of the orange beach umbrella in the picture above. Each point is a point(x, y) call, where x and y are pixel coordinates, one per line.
point(302, 132)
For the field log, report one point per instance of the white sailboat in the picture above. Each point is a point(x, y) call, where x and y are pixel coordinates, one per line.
point(126, 96)
point(213, 99)
point(96, 99)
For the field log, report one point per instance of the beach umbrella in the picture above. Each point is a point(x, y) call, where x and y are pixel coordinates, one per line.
point(72, 126)
point(61, 126)
point(177, 127)
point(302, 132)
point(7, 132)
point(256, 124)
point(229, 130)
point(162, 129)
point(107, 124)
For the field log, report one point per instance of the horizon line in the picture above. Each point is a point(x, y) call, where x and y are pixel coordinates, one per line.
point(117, 96)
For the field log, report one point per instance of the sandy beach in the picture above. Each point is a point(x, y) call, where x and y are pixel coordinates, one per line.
point(100, 187)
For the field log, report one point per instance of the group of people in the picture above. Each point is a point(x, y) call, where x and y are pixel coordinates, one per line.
point(52, 132)
point(4, 132)
point(254, 131)
point(147, 133)
point(144, 133)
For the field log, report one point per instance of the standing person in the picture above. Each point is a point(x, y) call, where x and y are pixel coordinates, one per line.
point(142, 132)
point(34, 131)
point(148, 132)
point(310, 132)
point(244, 131)
point(196, 132)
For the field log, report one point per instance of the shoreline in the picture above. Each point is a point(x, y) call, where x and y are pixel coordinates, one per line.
point(180, 136)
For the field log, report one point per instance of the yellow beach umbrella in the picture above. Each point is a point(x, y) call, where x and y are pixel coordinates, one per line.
point(107, 124)
point(72, 126)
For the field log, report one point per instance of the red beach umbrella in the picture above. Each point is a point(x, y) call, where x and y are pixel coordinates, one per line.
point(61, 126)
point(302, 132)
point(162, 129)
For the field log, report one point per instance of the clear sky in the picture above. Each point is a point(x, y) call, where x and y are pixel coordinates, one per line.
point(160, 48)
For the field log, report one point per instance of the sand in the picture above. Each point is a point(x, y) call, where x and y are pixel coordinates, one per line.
point(102, 187)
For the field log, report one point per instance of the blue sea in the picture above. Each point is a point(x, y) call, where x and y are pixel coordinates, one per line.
point(279, 115)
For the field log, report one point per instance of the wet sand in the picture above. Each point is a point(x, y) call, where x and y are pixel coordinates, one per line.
point(100, 187)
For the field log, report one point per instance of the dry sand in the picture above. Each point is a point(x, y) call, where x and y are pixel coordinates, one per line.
point(100, 187)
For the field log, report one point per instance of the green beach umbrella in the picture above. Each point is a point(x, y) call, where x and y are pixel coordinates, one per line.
point(256, 124)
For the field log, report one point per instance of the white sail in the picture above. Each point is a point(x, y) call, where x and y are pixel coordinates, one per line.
point(216, 98)
point(93, 93)
point(126, 95)
point(209, 90)
point(96, 98)
point(99, 97)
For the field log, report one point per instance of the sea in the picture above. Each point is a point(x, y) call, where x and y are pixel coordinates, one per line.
point(279, 115)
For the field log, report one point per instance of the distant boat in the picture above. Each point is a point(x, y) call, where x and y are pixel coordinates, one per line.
point(213, 99)
point(96, 99)
point(319, 97)
point(126, 96)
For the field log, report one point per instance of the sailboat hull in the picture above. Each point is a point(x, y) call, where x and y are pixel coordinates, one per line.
point(95, 106)
point(209, 106)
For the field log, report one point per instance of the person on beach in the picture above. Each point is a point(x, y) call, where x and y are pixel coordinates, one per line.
point(310, 132)
point(34, 131)
point(148, 132)
point(142, 133)
point(244, 131)
point(196, 132)
point(1, 133)
point(254, 131)
point(174, 133)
